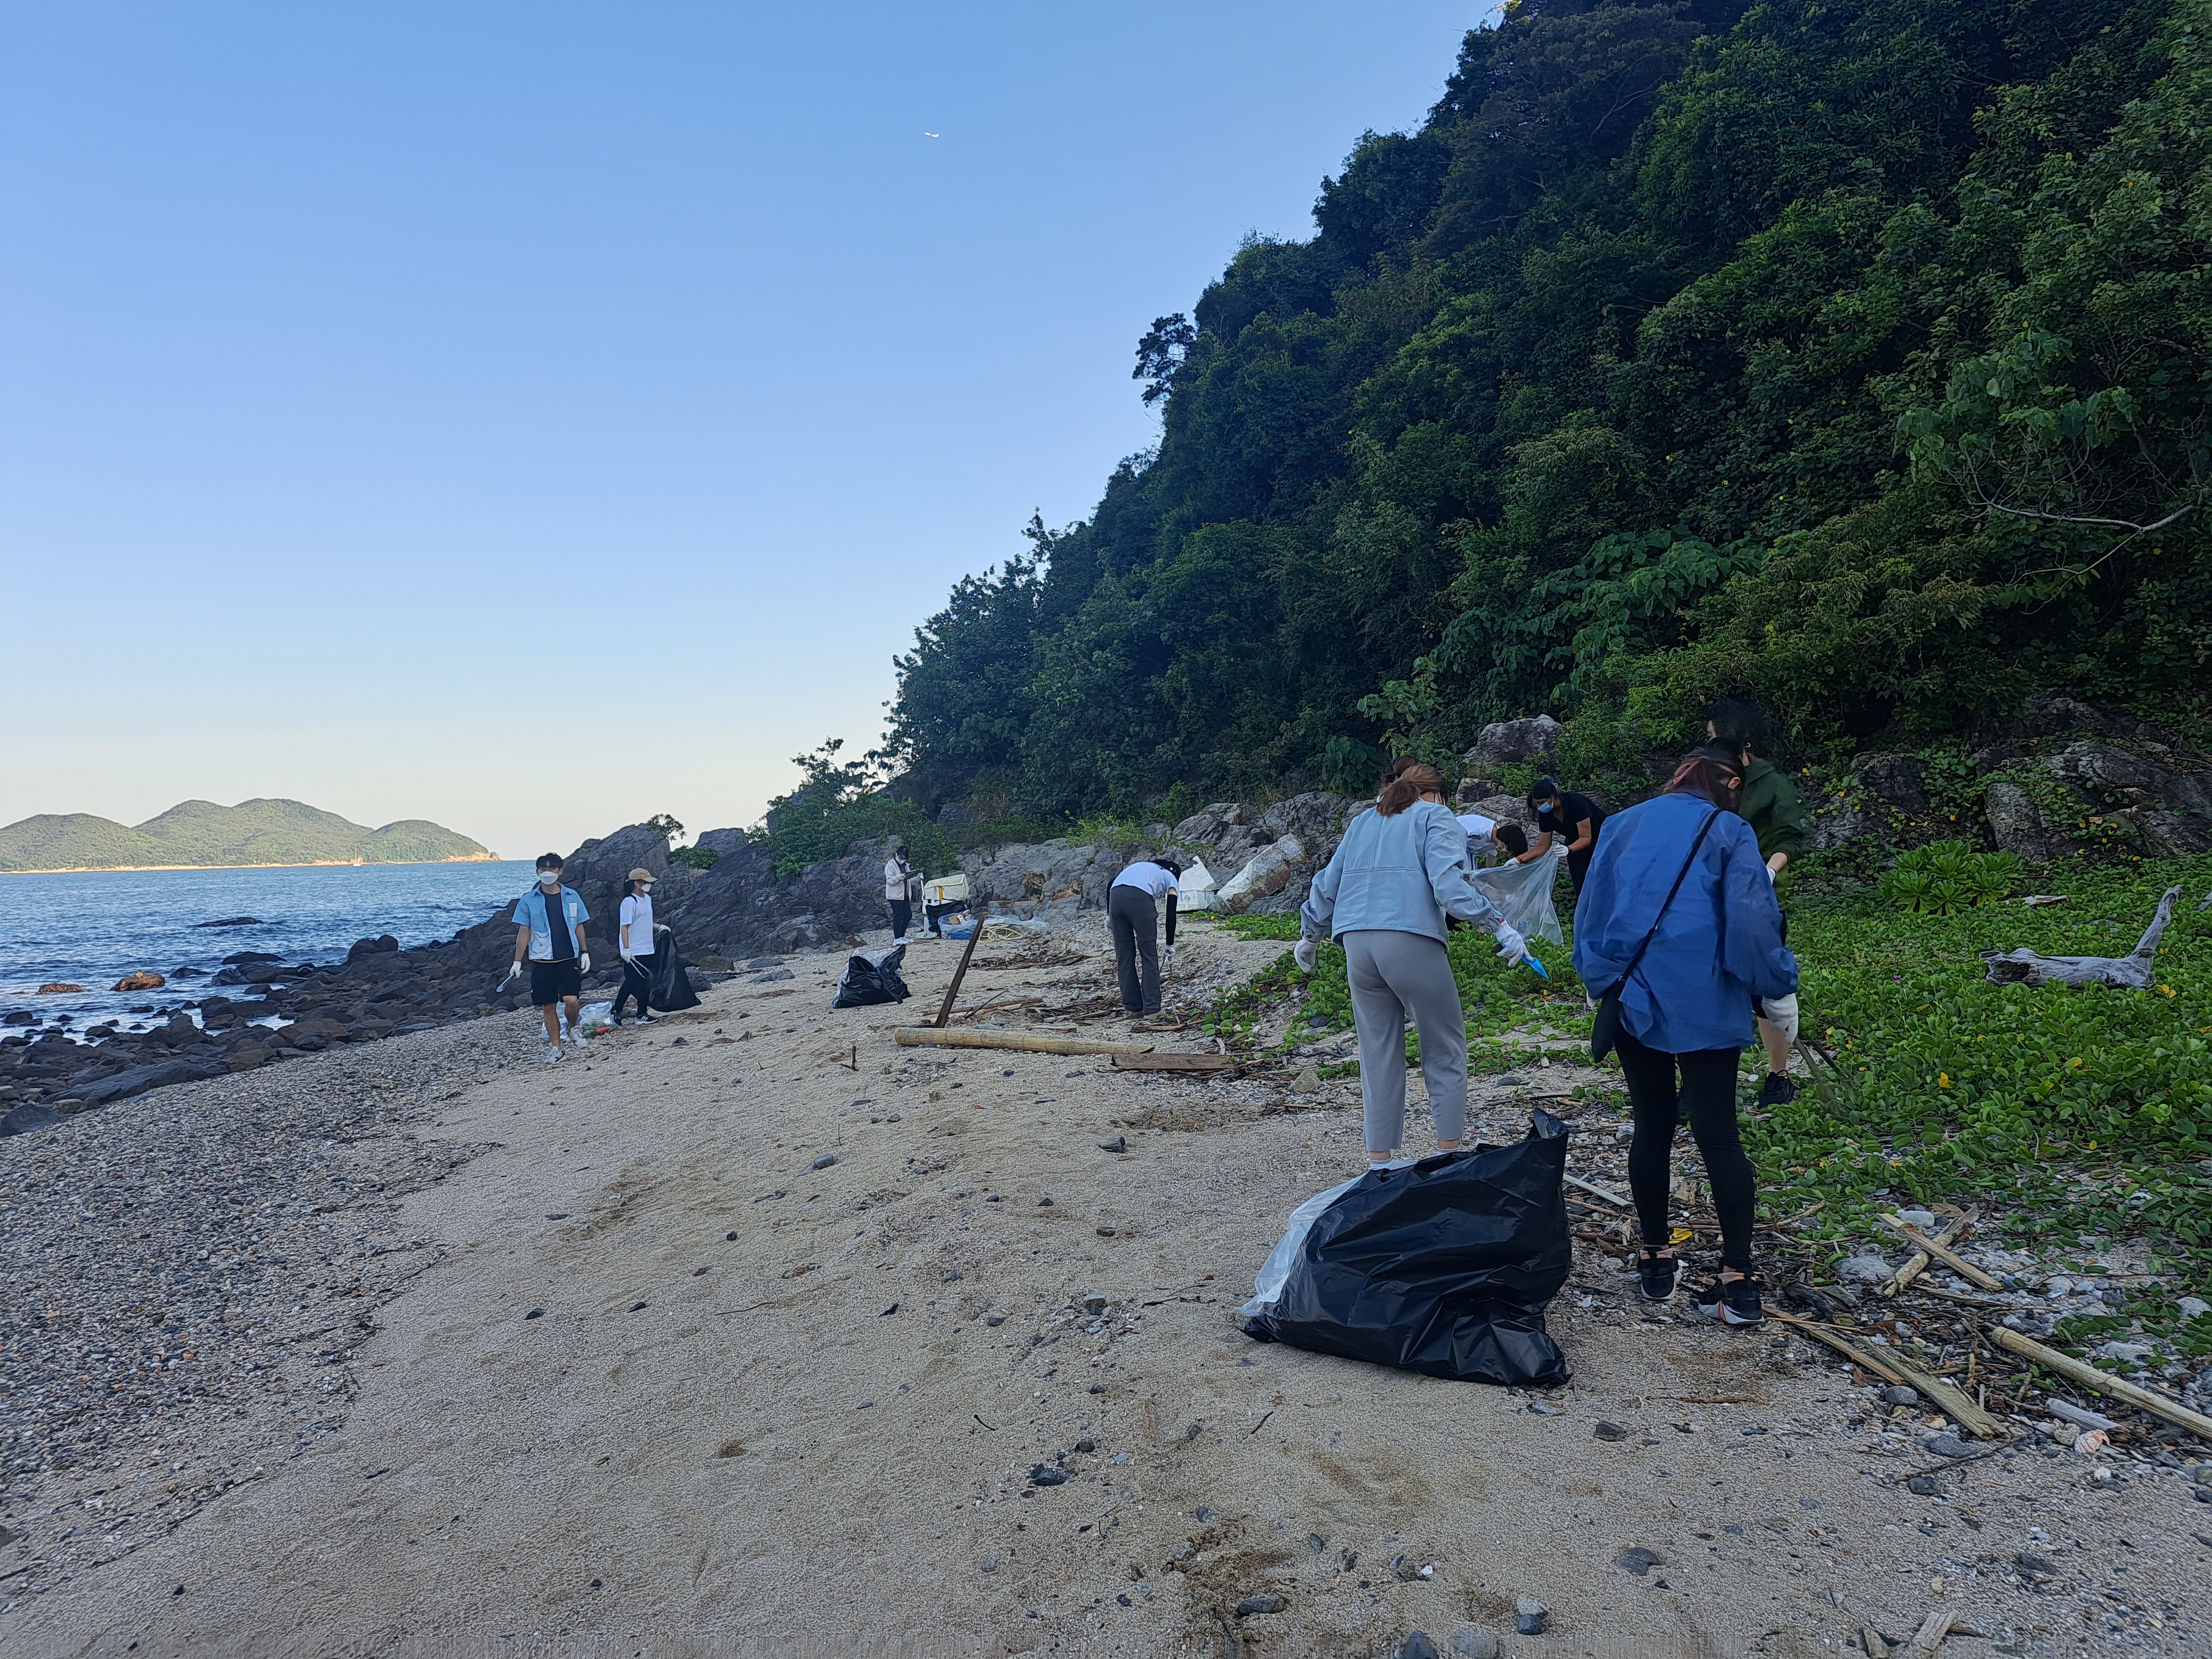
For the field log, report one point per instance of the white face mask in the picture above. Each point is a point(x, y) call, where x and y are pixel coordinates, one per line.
point(549, 877)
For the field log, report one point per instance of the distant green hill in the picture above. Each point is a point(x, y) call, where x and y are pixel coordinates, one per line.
point(200, 835)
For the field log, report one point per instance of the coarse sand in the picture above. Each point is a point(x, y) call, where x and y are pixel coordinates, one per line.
point(663, 1387)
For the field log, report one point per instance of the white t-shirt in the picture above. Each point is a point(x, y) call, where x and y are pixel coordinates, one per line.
point(637, 925)
point(1148, 878)
point(896, 870)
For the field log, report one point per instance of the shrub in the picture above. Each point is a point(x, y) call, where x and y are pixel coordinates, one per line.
point(1946, 876)
point(698, 858)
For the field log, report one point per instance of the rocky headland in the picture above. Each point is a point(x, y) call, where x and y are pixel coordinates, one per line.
point(199, 834)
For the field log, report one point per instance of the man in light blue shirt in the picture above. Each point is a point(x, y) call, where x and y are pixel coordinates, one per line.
point(549, 934)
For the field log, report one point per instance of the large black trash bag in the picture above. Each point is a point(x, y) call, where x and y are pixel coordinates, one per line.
point(1445, 1267)
point(871, 978)
point(671, 991)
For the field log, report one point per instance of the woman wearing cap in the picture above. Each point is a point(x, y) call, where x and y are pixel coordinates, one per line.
point(635, 937)
point(1399, 873)
point(1679, 926)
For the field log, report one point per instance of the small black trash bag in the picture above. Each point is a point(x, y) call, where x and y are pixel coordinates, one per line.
point(670, 992)
point(1444, 1267)
point(871, 978)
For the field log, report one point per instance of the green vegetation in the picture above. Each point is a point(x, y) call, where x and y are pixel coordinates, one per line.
point(1946, 876)
point(840, 803)
point(697, 858)
point(200, 835)
point(1855, 356)
point(2074, 1115)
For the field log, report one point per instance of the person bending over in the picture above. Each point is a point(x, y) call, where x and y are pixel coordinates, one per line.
point(1399, 873)
point(550, 935)
point(1679, 918)
point(1133, 917)
point(1570, 818)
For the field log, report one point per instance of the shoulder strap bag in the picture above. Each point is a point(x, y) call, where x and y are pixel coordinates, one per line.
point(1605, 1030)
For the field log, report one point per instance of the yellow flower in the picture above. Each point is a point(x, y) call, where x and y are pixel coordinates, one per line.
point(1943, 1079)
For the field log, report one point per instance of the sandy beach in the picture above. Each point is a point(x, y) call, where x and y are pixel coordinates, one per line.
point(595, 1360)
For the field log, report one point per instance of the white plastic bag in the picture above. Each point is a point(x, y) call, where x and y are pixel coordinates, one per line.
point(1276, 1269)
point(1195, 889)
point(1523, 892)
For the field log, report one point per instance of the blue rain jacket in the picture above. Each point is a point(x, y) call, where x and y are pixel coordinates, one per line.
point(1402, 874)
point(1720, 944)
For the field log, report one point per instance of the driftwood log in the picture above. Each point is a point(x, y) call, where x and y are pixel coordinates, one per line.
point(917, 1037)
point(2131, 972)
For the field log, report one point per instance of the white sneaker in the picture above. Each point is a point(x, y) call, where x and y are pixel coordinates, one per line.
point(554, 1059)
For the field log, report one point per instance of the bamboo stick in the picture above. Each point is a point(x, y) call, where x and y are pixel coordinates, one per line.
point(952, 991)
point(2090, 1377)
point(916, 1036)
point(1942, 1253)
point(1953, 1228)
point(1822, 1334)
point(1952, 1402)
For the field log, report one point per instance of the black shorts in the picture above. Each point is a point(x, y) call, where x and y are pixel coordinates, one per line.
point(550, 982)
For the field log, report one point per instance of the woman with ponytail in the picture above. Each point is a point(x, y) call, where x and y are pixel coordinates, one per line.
point(1678, 924)
point(1399, 873)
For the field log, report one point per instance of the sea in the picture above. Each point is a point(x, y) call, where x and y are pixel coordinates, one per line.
point(91, 929)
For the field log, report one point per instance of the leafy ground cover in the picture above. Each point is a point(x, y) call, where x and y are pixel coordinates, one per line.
point(2080, 1119)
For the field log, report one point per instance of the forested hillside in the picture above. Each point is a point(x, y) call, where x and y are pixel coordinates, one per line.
point(1855, 355)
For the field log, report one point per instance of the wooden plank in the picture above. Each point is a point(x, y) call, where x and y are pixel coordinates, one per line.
point(1950, 1232)
point(1822, 1334)
point(1942, 1253)
point(1592, 1187)
point(920, 1037)
point(952, 991)
point(1174, 1062)
point(1949, 1401)
point(2089, 1377)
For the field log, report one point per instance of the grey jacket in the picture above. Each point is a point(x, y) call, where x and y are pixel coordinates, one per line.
point(1403, 874)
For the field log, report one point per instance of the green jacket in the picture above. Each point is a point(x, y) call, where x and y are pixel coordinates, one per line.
point(1776, 810)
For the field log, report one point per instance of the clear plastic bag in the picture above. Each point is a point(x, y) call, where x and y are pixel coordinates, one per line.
point(1523, 892)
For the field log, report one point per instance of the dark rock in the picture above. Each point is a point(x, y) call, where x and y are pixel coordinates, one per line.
point(1044, 1203)
point(140, 1078)
point(2034, 1565)
point(1610, 1432)
point(535, 1313)
point(1085, 1447)
point(1897, 1394)
point(232, 921)
point(1639, 1560)
point(1924, 1485)
point(824, 1162)
point(1416, 1645)
point(247, 958)
point(28, 1119)
point(19, 1017)
point(1254, 1606)
point(1405, 1569)
point(1534, 1615)
point(384, 943)
point(1948, 1445)
point(1043, 1475)
point(1118, 1144)
point(1899, 779)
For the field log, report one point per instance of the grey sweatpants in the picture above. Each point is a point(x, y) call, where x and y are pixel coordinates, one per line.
point(1134, 921)
point(1393, 972)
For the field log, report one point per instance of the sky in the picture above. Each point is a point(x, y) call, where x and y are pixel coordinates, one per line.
point(535, 417)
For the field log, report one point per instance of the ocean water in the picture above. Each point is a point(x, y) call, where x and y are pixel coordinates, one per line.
point(92, 929)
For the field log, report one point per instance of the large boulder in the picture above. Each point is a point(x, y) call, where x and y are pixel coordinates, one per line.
point(1506, 743)
point(2016, 822)
point(141, 981)
point(1900, 780)
point(1268, 873)
point(2111, 777)
point(140, 1078)
point(597, 869)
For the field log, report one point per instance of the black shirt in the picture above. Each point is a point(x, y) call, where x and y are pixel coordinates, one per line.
point(1575, 808)
point(556, 923)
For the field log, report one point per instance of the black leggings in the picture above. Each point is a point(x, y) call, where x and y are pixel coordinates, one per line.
point(637, 981)
point(1708, 1086)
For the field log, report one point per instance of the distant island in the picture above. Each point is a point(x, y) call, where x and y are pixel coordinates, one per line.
point(199, 835)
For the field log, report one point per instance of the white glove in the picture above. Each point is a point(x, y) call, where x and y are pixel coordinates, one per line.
point(660, 926)
point(1511, 944)
point(514, 972)
point(1167, 957)
point(584, 963)
point(626, 954)
point(1305, 955)
point(1782, 1015)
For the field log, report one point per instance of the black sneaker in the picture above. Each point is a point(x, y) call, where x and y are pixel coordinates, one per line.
point(1658, 1276)
point(1733, 1302)
point(1777, 1090)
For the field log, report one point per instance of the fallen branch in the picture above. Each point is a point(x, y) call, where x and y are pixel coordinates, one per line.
point(2090, 1377)
point(2132, 972)
point(1822, 1334)
point(1955, 1228)
point(922, 1037)
point(1942, 1253)
point(1952, 1403)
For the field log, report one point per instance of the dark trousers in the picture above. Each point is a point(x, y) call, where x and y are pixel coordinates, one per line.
point(902, 917)
point(1135, 921)
point(1707, 1088)
point(637, 981)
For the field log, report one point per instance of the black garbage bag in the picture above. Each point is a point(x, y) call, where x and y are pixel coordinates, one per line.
point(670, 992)
point(871, 978)
point(1445, 1267)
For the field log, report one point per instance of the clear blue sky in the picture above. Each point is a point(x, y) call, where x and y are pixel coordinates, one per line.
point(533, 417)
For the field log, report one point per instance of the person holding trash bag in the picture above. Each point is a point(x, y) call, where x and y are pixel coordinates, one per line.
point(1678, 934)
point(1776, 812)
point(1133, 917)
point(634, 939)
point(1399, 873)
